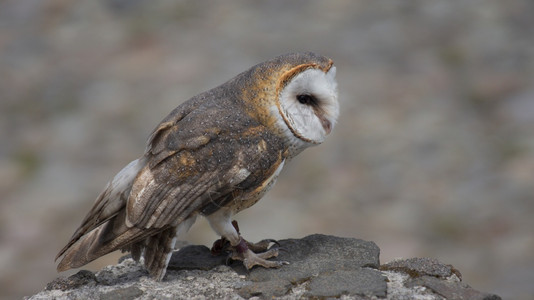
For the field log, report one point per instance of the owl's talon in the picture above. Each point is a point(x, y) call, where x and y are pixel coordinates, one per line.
point(272, 241)
point(262, 245)
point(282, 249)
point(243, 252)
point(252, 259)
point(268, 254)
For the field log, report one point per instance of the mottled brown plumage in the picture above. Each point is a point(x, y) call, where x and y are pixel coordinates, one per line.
point(215, 155)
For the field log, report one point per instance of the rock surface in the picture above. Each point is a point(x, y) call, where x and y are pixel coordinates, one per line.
point(320, 267)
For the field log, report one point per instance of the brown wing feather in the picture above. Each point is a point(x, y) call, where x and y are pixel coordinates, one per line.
point(179, 185)
point(114, 197)
point(157, 202)
point(188, 163)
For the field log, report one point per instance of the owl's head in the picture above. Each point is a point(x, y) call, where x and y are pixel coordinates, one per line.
point(297, 95)
point(307, 102)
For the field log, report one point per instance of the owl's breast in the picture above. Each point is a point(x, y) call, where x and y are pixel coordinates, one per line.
point(249, 197)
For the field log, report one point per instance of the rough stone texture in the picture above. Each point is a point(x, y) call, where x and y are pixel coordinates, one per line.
point(361, 282)
point(312, 257)
point(125, 293)
point(444, 280)
point(320, 267)
point(195, 257)
point(82, 278)
point(417, 267)
point(451, 288)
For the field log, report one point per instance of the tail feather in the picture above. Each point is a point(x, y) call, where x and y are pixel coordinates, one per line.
point(157, 252)
point(136, 250)
point(155, 245)
point(108, 237)
point(106, 209)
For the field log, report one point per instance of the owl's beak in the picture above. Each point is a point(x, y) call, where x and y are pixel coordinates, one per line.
point(327, 125)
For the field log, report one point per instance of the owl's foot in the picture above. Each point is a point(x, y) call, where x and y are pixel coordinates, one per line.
point(223, 245)
point(252, 254)
point(250, 259)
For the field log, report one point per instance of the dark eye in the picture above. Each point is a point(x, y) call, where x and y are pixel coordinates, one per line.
point(307, 99)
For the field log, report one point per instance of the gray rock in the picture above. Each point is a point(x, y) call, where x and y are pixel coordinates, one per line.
point(312, 257)
point(320, 267)
point(451, 289)
point(362, 282)
point(265, 289)
point(444, 280)
point(131, 292)
point(82, 278)
point(417, 267)
point(194, 257)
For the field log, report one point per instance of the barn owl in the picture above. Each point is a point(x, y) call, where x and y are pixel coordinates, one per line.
point(214, 155)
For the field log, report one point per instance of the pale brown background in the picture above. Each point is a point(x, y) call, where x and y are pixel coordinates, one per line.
point(432, 156)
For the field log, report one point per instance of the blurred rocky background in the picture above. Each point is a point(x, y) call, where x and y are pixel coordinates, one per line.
point(433, 155)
